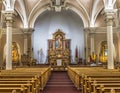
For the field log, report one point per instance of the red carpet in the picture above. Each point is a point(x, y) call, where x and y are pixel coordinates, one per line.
point(59, 82)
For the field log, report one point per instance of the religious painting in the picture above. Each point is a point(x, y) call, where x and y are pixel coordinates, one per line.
point(67, 44)
point(58, 41)
point(50, 44)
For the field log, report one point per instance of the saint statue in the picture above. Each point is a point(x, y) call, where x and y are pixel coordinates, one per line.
point(15, 55)
point(41, 56)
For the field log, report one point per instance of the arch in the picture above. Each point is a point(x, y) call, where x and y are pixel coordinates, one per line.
point(34, 9)
point(80, 14)
point(32, 21)
point(94, 17)
point(45, 8)
point(23, 15)
point(99, 48)
point(83, 9)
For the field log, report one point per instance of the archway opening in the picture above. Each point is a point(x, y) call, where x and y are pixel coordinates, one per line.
point(48, 23)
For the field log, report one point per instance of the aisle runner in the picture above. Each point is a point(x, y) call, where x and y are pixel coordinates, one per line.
point(59, 82)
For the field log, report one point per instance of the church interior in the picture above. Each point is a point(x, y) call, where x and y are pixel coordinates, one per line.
point(59, 46)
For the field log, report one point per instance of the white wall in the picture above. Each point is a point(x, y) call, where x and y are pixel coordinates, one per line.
point(48, 23)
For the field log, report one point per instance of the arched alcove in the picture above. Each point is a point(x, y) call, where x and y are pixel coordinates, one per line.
point(49, 22)
point(16, 52)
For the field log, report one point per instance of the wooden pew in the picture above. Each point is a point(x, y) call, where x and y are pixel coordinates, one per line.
point(18, 77)
point(108, 89)
point(92, 87)
point(89, 84)
point(21, 89)
point(80, 76)
point(30, 85)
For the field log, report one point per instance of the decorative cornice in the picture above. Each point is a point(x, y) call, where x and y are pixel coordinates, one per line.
point(109, 13)
point(14, 31)
point(27, 30)
point(101, 29)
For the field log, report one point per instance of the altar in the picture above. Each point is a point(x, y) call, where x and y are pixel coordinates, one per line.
point(59, 62)
point(59, 51)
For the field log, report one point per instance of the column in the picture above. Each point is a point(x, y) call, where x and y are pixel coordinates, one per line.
point(118, 34)
point(118, 41)
point(92, 43)
point(86, 44)
point(9, 21)
point(25, 44)
point(109, 21)
point(28, 41)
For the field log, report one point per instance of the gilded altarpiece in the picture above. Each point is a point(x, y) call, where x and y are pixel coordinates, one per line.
point(59, 51)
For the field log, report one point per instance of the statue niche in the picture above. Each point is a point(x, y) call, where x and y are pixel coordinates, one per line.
point(59, 49)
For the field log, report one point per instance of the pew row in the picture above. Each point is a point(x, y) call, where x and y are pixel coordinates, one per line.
point(84, 78)
point(33, 80)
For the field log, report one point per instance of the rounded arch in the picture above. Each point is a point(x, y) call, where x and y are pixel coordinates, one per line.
point(97, 14)
point(19, 5)
point(99, 48)
point(85, 21)
point(71, 7)
point(32, 21)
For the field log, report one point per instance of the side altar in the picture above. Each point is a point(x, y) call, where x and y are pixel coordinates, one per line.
point(59, 51)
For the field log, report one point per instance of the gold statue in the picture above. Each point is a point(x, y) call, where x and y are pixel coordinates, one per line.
point(15, 55)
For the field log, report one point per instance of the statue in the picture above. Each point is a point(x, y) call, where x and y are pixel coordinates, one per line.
point(15, 55)
point(41, 56)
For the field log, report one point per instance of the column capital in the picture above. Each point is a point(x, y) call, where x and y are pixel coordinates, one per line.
point(109, 13)
point(86, 30)
point(28, 30)
point(90, 30)
point(9, 17)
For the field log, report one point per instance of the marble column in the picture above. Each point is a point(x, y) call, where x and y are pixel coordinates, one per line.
point(92, 43)
point(86, 44)
point(9, 21)
point(28, 41)
point(31, 41)
point(25, 44)
point(118, 41)
point(109, 22)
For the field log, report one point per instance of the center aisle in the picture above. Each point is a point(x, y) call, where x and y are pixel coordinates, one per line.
point(59, 82)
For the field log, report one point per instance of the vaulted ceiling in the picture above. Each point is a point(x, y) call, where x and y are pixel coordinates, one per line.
point(91, 11)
